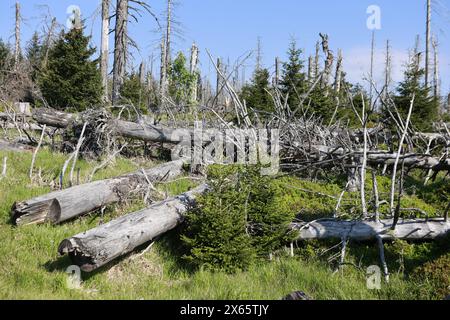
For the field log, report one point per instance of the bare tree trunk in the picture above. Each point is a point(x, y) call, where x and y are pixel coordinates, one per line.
point(328, 62)
point(338, 77)
point(142, 73)
point(105, 48)
point(194, 72)
point(258, 55)
point(163, 72)
point(310, 69)
point(387, 72)
point(219, 81)
point(17, 35)
point(316, 61)
point(436, 80)
point(47, 43)
point(400, 148)
point(120, 48)
point(428, 40)
point(372, 54)
point(364, 160)
point(168, 57)
point(277, 71)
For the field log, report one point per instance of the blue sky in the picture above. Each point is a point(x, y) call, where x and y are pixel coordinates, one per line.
point(230, 28)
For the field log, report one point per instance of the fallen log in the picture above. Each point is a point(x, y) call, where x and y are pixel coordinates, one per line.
point(52, 118)
point(148, 132)
point(140, 131)
point(318, 153)
point(97, 247)
point(412, 230)
point(66, 204)
point(14, 146)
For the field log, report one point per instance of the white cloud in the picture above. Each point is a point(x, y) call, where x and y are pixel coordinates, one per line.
point(357, 64)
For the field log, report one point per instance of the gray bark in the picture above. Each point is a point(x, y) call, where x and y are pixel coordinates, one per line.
point(13, 146)
point(63, 205)
point(105, 48)
point(97, 247)
point(120, 48)
point(370, 230)
point(17, 35)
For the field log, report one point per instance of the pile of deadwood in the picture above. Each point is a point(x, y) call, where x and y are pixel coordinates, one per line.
point(305, 146)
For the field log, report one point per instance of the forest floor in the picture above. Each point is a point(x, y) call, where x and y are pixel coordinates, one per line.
point(30, 267)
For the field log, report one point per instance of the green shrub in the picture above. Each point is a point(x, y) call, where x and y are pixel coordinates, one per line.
point(236, 222)
point(437, 273)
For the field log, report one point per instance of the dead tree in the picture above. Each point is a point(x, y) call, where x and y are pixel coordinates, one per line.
point(193, 90)
point(59, 206)
point(277, 72)
point(428, 43)
point(372, 55)
point(316, 61)
point(97, 247)
point(338, 77)
point(120, 48)
point(412, 230)
point(328, 61)
point(163, 72)
point(436, 80)
point(105, 48)
point(387, 72)
point(168, 39)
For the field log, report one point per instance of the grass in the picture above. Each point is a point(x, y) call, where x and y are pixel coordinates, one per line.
point(30, 267)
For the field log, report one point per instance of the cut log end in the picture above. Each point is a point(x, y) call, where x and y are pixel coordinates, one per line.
point(24, 213)
point(77, 256)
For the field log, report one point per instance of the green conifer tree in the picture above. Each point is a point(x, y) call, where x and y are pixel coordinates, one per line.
point(293, 82)
point(72, 79)
point(34, 55)
point(256, 93)
point(426, 107)
point(133, 91)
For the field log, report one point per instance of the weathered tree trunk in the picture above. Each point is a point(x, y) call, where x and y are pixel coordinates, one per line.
point(105, 48)
point(17, 35)
point(436, 80)
point(13, 146)
point(193, 90)
point(52, 117)
point(120, 48)
point(48, 42)
point(427, 45)
point(149, 133)
point(338, 77)
point(329, 59)
point(372, 59)
point(370, 230)
point(63, 205)
point(97, 247)
point(316, 61)
point(163, 73)
point(142, 73)
point(168, 41)
point(387, 73)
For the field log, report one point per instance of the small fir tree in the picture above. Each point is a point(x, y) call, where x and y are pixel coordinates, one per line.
point(72, 79)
